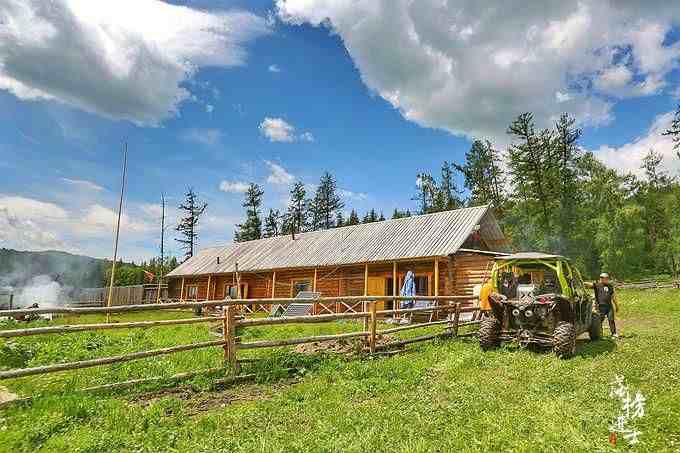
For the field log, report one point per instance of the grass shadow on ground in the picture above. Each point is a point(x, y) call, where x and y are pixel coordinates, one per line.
point(590, 349)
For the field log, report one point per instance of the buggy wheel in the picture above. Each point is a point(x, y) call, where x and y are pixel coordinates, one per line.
point(564, 340)
point(489, 333)
point(595, 331)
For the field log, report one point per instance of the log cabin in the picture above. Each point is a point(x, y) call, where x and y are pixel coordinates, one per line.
point(449, 253)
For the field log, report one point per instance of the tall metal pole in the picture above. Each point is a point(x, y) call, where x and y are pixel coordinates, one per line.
point(115, 244)
point(160, 276)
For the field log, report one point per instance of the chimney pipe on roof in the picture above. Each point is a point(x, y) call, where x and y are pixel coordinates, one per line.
point(218, 260)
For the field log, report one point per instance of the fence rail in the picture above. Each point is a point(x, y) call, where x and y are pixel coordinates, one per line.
point(231, 341)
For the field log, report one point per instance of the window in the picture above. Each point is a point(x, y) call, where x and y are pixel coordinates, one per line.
point(301, 285)
point(230, 291)
point(192, 292)
point(422, 286)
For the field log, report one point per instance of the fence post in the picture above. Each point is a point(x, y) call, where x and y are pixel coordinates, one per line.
point(228, 332)
point(372, 327)
point(456, 318)
point(364, 308)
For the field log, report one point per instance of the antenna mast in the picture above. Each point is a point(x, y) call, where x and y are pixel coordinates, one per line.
point(160, 276)
point(115, 244)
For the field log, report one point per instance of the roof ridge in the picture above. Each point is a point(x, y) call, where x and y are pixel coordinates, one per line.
point(305, 233)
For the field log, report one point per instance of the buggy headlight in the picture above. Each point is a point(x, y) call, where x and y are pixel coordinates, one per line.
point(515, 312)
point(528, 313)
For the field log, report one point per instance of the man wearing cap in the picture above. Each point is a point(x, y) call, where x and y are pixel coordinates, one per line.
point(606, 301)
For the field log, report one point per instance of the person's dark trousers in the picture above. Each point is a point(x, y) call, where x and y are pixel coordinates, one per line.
point(608, 311)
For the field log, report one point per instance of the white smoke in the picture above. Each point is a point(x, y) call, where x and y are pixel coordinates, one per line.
point(42, 290)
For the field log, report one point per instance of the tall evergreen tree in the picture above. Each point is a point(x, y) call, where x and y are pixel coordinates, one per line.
point(531, 163)
point(339, 219)
point(448, 195)
point(272, 224)
point(483, 175)
point(398, 214)
point(296, 218)
point(353, 218)
point(566, 183)
point(370, 217)
point(191, 210)
point(426, 188)
point(252, 228)
point(326, 203)
point(674, 131)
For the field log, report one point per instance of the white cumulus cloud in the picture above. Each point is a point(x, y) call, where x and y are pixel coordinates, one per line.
point(277, 130)
point(280, 130)
point(123, 59)
point(278, 175)
point(470, 67)
point(233, 186)
point(628, 158)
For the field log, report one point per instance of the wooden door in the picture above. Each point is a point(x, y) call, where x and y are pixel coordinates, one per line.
point(377, 287)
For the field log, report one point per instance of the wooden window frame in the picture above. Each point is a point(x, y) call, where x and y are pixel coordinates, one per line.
point(295, 281)
point(189, 288)
point(244, 290)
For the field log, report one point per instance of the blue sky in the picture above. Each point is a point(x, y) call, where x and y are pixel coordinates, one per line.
point(219, 94)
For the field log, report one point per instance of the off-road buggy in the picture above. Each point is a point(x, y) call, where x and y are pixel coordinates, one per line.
point(538, 299)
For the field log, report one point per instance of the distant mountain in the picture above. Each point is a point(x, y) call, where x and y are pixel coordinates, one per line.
point(17, 268)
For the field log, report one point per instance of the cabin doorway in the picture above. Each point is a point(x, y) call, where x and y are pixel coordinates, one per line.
point(376, 287)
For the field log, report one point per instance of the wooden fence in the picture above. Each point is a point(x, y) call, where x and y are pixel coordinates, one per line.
point(231, 341)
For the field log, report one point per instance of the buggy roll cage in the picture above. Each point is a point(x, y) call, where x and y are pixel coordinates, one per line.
point(564, 271)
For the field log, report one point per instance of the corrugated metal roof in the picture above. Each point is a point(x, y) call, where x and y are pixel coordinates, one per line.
point(419, 236)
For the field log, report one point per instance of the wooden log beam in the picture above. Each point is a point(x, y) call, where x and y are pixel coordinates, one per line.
point(294, 341)
point(211, 303)
point(11, 374)
point(411, 327)
point(99, 326)
point(395, 289)
point(273, 284)
point(299, 319)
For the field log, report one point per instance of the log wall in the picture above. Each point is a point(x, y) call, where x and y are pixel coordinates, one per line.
point(468, 269)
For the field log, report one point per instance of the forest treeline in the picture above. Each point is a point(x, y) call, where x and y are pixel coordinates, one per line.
point(547, 192)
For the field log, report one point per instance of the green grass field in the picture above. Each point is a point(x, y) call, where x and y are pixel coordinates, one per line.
point(439, 396)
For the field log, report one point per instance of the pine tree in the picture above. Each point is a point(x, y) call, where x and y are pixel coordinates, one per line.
point(339, 219)
point(353, 218)
point(252, 228)
point(565, 180)
point(530, 161)
point(381, 218)
point(272, 224)
point(674, 131)
point(192, 209)
point(448, 195)
point(483, 175)
point(426, 190)
point(326, 203)
point(370, 217)
point(296, 219)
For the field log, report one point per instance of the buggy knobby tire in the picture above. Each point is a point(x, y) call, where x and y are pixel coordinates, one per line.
point(489, 333)
point(595, 330)
point(564, 340)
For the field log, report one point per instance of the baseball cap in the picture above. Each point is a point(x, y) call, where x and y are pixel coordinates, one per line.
point(604, 275)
